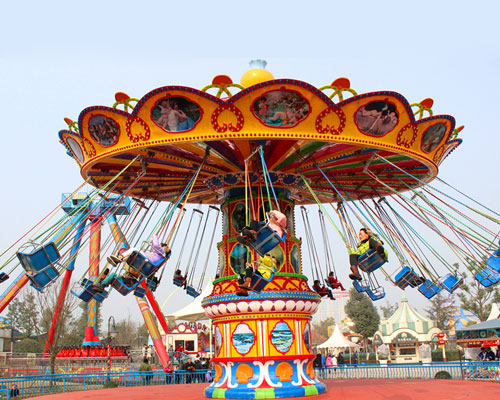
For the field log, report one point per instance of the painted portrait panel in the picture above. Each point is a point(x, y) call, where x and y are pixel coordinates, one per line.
point(176, 114)
point(377, 118)
point(104, 130)
point(281, 108)
point(75, 148)
point(432, 137)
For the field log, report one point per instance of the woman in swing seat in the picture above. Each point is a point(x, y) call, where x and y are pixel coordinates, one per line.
point(367, 240)
point(267, 266)
point(322, 290)
point(277, 222)
point(159, 252)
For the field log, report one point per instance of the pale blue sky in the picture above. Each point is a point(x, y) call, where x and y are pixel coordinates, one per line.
point(58, 57)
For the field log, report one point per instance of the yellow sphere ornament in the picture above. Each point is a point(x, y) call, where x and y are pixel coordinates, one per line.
point(256, 74)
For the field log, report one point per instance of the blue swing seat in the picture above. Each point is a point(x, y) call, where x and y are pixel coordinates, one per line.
point(258, 282)
point(359, 287)
point(125, 289)
point(487, 277)
point(493, 262)
point(376, 294)
point(39, 264)
point(450, 282)
point(429, 289)
point(266, 240)
point(152, 283)
point(178, 282)
point(86, 292)
point(142, 265)
point(407, 277)
point(370, 261)
point(190, 290)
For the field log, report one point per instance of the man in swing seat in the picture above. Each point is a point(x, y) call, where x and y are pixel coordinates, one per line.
point(277, 222)
point(266, 267)
point(182, 279)
point(323, 291)
point(367, 240)
point(334, 282)
point(159, 254)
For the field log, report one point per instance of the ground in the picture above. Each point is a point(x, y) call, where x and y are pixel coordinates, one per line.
point(353, 389)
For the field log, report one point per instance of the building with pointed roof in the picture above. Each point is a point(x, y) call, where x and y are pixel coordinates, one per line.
point(405, 331)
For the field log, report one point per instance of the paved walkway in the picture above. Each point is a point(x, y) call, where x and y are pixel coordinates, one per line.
point(352, 389)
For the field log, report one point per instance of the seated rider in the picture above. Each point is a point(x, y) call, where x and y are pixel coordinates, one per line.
point(159, 253)
point(334, 282)
point(266, 266)
point(179, 277)
point(322, 290)
point(367, 240)
point(277, 222)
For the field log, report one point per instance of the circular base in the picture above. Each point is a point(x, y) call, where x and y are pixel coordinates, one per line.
point(265, 393)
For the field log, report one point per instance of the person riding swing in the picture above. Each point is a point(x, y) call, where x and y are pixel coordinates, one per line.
point(266, 267)
point(367, 241)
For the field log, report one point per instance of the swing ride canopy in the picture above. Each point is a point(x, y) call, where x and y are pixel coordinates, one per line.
point(300, 128)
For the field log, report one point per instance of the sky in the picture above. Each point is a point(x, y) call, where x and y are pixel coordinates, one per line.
point(59, 57)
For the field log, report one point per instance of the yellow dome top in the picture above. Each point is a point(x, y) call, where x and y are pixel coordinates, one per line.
point(256, 74)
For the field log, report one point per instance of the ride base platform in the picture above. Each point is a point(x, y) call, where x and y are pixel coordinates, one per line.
point(352, 389)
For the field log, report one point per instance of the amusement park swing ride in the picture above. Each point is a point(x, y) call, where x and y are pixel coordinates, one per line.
point(241, 152)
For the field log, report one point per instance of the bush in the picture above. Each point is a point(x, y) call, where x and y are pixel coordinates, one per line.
point(28, 346)
point(442, 375)
point(451, 355)
point(110, 385)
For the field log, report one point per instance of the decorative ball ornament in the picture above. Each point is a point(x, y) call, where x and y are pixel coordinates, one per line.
point(257, 74)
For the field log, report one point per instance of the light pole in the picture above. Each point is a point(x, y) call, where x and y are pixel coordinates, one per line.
point(112, 332)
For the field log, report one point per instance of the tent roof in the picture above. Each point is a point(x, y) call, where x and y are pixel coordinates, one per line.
point(491, 324)
point(337, 341)
point(193, 311)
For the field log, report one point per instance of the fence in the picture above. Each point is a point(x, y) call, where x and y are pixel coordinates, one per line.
point(473, 370)
point(37, 385)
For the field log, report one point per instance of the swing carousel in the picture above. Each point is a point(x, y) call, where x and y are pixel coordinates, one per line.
point(244, 150)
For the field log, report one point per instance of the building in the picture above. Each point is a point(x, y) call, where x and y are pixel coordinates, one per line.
point(405, 332)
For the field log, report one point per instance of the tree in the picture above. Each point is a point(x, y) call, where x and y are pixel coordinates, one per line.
point(32, 313)
point(388, 310)
point(478, 299)
point(441, 309)
point(322, 327)
point(23, 314)
point(28, 346)
point(363, 313)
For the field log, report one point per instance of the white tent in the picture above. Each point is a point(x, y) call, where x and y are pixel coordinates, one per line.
point(193, 311)
point(338, 341)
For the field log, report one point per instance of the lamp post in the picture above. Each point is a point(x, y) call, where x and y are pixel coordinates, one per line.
point(112, 332)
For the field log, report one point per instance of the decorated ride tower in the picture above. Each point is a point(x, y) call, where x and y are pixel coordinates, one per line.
point(275, 144)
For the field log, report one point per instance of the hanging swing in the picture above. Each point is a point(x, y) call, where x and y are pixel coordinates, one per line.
point(264, 236)
point(40, 263)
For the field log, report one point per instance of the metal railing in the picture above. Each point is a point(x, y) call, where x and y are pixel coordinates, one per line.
point(37, 385)
point(469, 370)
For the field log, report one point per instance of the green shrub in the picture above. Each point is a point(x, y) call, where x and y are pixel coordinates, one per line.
point(442, 375)
point(110, 385)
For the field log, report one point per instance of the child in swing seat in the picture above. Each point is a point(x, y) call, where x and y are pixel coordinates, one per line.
point(323, 291)
point(367, 240)
point(334, 282)
point(266, 267)
point(179, 277)
point(159, 253)
point(277, 222)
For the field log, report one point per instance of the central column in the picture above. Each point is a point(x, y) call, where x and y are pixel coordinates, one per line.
point(263, 341)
